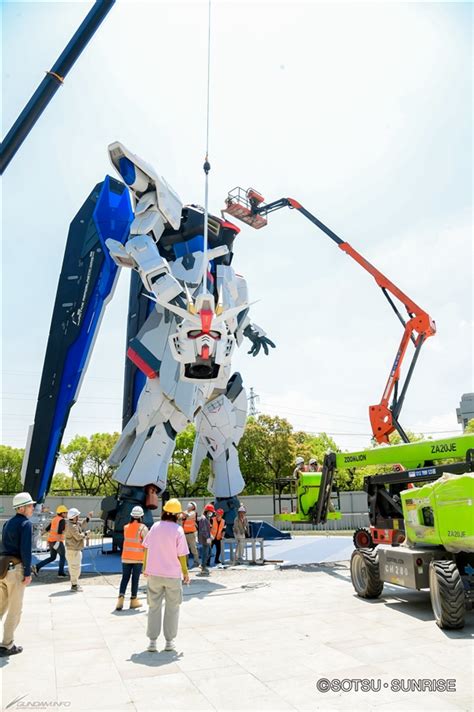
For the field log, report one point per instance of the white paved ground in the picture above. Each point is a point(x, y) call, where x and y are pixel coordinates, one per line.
point(249, 639)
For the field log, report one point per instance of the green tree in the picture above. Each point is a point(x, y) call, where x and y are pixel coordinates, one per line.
point(10, 469)
point(86, 459)
point(470, 426)
point(179, 483)
point(267, 450)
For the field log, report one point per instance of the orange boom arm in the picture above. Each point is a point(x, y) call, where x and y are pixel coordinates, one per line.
point(249, 207)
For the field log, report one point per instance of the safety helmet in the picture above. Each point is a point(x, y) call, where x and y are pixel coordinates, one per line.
point(192, 504)
point(173, 506)
point(313, 461)
point(209, 508)
point(220, 511)
point(73, 513)
point(241, 508)
point(22, 499)
point(299, 460)
point(61, 509)
point(137, 512)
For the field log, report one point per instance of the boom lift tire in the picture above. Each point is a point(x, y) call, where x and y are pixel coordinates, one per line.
point(447, 594)
point(365, 574)
point(363, 539)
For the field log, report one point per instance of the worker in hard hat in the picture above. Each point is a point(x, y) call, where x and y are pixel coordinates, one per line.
point(55, 530)
point(133, 551)
point(15, 569)
point(74, 536)
point(204, 537)
point(313, 465)
point(166, 568)
point(299, 467)
point(189, 524)
point(217, 534)
point(241, 532)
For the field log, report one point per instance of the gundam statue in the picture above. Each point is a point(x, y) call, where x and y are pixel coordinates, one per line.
point(188, 310)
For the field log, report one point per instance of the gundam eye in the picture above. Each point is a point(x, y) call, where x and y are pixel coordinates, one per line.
point(194, 333)
point(215, 335)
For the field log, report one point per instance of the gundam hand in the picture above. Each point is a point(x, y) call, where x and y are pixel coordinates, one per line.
point(258, 338)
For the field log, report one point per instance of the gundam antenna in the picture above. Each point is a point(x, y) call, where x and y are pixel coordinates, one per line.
point(207, 165)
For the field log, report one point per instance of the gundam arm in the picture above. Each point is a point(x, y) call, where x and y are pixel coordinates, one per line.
point(250, 208)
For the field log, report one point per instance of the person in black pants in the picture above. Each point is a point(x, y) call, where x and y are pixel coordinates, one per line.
point(55, 542)
point(132, 557)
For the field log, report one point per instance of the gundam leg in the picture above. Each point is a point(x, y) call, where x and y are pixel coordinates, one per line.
point(142, 456)
point(219, 426)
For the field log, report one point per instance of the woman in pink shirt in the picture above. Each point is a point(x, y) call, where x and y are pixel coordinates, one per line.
point(165, 565)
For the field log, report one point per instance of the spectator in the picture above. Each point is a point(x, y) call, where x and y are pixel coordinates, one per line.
point(56, 529)
point(190, 529)
point(165, 566)
point(217, 534)
point(74, 537)
point(15, 569)
point(241, 531)
point(204, 536)
point(134, 534)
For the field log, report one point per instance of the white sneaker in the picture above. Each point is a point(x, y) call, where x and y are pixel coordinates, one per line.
point(170, 646)
point(152, 646)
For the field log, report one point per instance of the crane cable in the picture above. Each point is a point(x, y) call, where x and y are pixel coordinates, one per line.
point(207, 165)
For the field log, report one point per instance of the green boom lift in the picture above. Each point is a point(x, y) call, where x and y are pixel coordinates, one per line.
point(426, 504)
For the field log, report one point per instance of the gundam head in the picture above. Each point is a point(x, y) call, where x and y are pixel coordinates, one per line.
point(203, 342)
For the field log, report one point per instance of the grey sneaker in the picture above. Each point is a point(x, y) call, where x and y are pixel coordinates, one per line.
point(76, 588)
point(152, 646)
point(170, 646)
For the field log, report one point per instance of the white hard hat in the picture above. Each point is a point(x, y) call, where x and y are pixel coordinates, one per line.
point(192, 504)
point(242, 508)
point(313, 461)
point(299, 460)
point(137, 511)
point(22, 499)
point(73, 513)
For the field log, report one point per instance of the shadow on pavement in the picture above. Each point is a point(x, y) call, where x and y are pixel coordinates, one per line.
point(155, 660)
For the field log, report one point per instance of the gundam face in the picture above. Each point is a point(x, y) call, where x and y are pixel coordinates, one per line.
point(203, 343)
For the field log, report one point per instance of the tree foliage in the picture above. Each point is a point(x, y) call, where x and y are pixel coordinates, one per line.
point(86, 459)
point(470, 426)
point(10, 469)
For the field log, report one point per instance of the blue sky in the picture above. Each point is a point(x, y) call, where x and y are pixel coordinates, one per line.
point(361, 111)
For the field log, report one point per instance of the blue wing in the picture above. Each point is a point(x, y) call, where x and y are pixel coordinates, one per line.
point(86, 284)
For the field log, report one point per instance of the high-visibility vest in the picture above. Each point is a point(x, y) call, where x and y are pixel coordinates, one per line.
point(189, 524)
point(133, 548)
point(54, 534)
point(217, 528)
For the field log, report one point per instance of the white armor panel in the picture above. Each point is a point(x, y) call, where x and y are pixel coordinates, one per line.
point(219, 427)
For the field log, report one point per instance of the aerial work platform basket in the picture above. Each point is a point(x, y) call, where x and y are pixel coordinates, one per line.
point(241, 204)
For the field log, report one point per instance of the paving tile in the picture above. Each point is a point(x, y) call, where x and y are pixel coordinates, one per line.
point(97, 697)
point(228, 684)
point(204, 660)
point(168, 692)
point(81, 667)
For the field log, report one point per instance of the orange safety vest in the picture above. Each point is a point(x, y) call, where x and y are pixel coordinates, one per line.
point(189, 524)
point(133, 548)
point(217, 528)
point(54, 534)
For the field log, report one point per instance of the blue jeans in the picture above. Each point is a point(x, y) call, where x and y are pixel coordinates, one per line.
point(53, 553)
point(133, 570)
